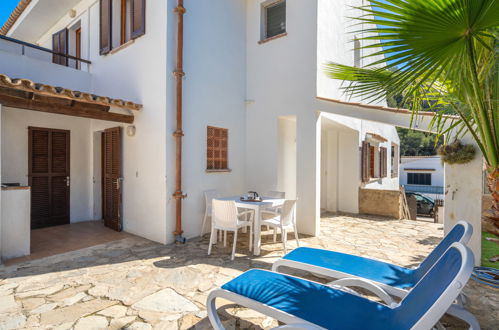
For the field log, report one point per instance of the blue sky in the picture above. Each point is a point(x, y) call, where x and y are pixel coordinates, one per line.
point(6, 7)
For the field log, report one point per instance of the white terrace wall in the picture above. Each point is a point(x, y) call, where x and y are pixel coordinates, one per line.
point(14, 138)
point(138, 73)
point(214, 95)
point(281, 81)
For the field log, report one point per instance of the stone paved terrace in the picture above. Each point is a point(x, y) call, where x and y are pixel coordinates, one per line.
point(137, 284)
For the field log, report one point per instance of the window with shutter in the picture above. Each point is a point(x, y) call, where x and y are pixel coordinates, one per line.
point(138, 19)
point(383, 162)
point(217, 148)
point(60, 45)
point(120, 22)
point(372, 156)
point(394, 161)
point(365, 161)
point(274, 15)
point(105, 26)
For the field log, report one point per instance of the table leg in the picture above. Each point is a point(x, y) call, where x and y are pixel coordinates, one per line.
point(257, 239)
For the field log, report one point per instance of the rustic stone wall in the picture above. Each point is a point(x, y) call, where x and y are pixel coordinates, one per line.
point(380, 202)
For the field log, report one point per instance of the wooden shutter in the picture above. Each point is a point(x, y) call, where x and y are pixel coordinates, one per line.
point(60, 46)
point(105, 23)
point(48, 173)
point(217, 148)
point(365, 161)
point(138, 19)
point(112, 178)
point(372, 152)
point(383, 168)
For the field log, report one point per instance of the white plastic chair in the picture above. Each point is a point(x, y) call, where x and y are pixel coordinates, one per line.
point(209, 196)
point(274, 194)
point(225, 217)
point(284, 220)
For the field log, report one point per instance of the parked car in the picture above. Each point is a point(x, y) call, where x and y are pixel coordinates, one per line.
point(425, 204)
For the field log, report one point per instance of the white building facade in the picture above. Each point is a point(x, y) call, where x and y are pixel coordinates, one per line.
point(260, 84)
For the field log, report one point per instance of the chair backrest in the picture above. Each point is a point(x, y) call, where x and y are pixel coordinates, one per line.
point(224, 214)
point(461, 233)
point(288, 212)
point(275, 194)
point(209, 195)
point(436, 291)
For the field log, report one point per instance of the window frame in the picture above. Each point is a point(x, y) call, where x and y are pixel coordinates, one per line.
point(210, 161)
point(419, 181)
point(127, 31)
point(264, 37)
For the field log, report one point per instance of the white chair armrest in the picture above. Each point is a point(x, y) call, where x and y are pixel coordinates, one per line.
point(274, 214)
point(250, 212)
point(365, 284)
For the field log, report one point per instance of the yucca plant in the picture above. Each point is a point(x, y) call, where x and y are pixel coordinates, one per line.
point(437, 55)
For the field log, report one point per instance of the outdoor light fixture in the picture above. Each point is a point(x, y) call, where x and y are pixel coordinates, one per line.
point(130, 130)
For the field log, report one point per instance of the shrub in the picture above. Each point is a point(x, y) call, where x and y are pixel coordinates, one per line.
point(456, 152)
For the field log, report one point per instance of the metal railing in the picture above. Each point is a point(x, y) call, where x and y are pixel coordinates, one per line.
point(436, 190)
point(43, 49)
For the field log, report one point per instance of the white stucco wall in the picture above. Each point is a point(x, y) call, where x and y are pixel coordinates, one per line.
point(279, 84)
point(431, 163)
point(137, 73)
point(15, 123)
point(15, 222)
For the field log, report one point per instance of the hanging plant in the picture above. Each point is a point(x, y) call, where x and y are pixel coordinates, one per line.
point(456, 153)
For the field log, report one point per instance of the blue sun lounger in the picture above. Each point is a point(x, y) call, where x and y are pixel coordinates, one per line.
point(303, 304)
point(381, 278)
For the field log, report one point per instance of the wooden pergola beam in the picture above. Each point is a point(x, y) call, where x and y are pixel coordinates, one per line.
point(75, 109)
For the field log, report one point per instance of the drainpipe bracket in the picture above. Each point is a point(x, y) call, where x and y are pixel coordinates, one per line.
point(178, 133)
point(178, 73)
point(180, 10)
point(179, 195)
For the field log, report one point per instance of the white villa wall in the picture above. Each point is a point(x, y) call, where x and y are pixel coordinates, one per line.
point(214, 95)
point(15, 123)
point(437, 176)
point(335, 43)
point(137, 73)
point(289, 89)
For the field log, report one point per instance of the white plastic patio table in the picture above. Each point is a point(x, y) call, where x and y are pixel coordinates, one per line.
point(257, 207)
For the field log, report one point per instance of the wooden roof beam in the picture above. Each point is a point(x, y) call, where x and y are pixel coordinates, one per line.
point(78, 110)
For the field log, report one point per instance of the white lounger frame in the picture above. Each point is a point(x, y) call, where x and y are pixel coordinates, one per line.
point(429, 319)
point(349, 280)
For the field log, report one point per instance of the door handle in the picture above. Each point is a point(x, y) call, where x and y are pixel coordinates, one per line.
point(68, 181)
point(118, 183)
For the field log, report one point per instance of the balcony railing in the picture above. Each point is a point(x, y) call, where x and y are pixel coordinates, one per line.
point(435, 190)
point(70, 60)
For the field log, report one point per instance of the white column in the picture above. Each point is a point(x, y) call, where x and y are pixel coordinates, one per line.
point(308, 173)
point(463, 197)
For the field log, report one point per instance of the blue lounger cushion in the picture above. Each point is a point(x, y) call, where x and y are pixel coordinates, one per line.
point(334, 309)
point(378, 271)
point(371, 269)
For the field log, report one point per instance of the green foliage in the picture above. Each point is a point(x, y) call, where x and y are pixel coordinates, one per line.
point(417, 143)
point(433, 55)
point(489, 249)
point(456, 153)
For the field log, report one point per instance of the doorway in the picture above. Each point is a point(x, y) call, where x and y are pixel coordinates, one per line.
point(49, 176)
point(112, 178)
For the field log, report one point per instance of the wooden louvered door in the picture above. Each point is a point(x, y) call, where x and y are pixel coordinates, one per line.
point(112, 178)
point(49, 176)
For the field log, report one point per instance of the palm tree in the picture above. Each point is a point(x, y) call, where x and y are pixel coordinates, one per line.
point(442, 54)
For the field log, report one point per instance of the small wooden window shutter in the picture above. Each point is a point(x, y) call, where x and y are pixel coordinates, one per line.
point(382, 162)
point(138, 19)
point(60, 45)
point(365, 161)
point(105, 20)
